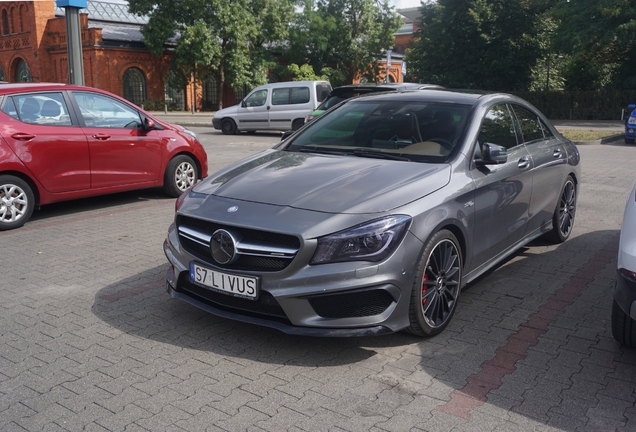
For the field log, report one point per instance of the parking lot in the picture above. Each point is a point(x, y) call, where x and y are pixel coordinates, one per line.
point(90, 340)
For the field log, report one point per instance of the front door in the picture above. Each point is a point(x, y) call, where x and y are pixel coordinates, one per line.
point(253, 112)
point(121, 151)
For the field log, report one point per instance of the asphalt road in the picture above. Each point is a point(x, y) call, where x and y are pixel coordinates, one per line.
point(90, 340)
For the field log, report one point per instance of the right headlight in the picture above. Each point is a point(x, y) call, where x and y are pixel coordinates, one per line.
point(371, 241)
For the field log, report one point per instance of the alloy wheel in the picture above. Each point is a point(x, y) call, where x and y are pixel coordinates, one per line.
point(13, 203)
point(184, 176)
point(567, 206)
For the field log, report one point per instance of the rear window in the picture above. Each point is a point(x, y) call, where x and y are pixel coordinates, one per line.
point(290, 96)
point(322, 91)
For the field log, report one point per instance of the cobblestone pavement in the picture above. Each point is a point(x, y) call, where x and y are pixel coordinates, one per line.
point(90, 340)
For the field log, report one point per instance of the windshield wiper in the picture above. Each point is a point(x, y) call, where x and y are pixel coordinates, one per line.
point(321, 151)
point(378, 154)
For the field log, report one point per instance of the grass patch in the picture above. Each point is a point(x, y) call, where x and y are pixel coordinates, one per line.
point(586, 135)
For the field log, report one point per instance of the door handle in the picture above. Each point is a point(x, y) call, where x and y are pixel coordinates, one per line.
point(267, 107)
point(21, 136)
point(523, 163)
point(557, 153)
point(101, 136)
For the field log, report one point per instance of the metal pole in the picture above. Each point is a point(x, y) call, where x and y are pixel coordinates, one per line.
point(74, 46)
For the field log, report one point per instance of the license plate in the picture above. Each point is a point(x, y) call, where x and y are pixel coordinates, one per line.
point(239, 286)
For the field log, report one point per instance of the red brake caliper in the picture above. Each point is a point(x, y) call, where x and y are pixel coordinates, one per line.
point(424, 288)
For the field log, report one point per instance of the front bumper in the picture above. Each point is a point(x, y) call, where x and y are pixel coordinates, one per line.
point(332, 300)
point(625, 294)
point(216, 123)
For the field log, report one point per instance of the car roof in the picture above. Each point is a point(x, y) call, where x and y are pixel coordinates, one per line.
point(371, 88)
point(463, 97)
point(7, 88)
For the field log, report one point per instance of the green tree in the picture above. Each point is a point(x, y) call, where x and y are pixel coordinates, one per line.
point(347, 36)
point(600, 37)
point(485, 44)
point(232, 37)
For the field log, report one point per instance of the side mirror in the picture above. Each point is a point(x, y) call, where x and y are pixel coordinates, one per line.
point(243, 104)
point(286, 135)
point(631, 106)
point(149, 124)
point(493, 154)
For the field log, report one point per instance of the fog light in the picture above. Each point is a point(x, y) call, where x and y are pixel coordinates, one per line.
point(630, 131)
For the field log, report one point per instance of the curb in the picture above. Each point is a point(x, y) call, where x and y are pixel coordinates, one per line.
point(606, 140)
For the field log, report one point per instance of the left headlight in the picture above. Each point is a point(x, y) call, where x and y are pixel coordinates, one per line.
point(371, 241)
point(192, 134)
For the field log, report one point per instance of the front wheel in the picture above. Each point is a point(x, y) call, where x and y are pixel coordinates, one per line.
point(228, 127)
point(16, 202)
point(623, 326)
point(563, 217)
point(181, 173)
point(437, 285)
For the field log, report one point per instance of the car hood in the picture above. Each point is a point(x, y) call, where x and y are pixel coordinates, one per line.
point(325, 183)
point(227, 111)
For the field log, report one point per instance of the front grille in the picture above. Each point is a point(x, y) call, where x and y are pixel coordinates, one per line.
point(245, 262)
point(352, 304)
point(265, 306)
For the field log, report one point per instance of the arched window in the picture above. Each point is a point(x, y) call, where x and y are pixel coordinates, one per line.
point(2, 78)
point(5, 23)
point(210, 95)
point(22, 17)
point(174, 96)
point(22, 73)
point(135, 86)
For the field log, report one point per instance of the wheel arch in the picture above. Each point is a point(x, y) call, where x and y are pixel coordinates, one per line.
point(191, 156)
point(32, 184)
point(454, 226)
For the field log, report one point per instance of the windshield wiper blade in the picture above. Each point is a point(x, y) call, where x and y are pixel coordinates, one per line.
point(378, 154)
point(321, 151)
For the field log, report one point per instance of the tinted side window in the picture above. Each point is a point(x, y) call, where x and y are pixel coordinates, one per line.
point(498, 128)
point(102, 111)
point(290, 95)
point(299, 95)
point(529, 123)
point(41, 108)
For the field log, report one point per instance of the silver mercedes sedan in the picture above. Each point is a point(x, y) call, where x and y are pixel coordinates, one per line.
point(372, 218)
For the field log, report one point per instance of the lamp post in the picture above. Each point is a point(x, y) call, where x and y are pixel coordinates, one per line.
point(74, 39)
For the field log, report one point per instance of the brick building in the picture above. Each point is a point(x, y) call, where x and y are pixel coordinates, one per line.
point(33, 48)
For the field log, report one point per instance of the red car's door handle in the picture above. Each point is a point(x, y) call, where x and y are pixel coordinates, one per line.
point(101, 136)
point(22, 136)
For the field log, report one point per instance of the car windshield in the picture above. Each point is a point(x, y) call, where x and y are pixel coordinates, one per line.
point(389, 129)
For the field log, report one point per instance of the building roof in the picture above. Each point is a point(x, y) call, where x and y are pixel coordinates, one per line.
point(106, 11)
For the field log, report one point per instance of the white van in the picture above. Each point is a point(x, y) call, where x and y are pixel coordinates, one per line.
point(277, 106)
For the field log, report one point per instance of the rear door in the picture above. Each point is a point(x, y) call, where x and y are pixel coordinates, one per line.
point(48, 140)
point(549, 155)
point(121, 151)
point(289, 104)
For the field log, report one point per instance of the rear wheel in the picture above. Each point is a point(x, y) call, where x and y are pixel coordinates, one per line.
point(437, 285)
point(181, 173)
point(16, 202)
point(563, 218)
point(297, 124)
point(623, 326)
point(228, 127)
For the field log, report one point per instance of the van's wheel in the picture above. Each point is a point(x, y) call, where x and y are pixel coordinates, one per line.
point(563, 217)
point(228, 127)
point(297, 124)
point(181, 173)
point(16, 202)
point(437, 285)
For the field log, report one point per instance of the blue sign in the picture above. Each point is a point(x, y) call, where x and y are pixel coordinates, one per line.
point(71, 3)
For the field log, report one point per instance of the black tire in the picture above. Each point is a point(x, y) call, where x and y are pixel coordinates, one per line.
point(181, 173)
point(297, 124)
point(437, 285)
point(16, 202)
point(623, 326)
point(629, 140)
point(563, 217)
point(228, 127)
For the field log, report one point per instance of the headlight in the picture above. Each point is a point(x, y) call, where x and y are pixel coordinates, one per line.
point(371, 241)
point(192, 134)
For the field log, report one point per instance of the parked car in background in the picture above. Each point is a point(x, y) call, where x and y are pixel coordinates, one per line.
point(339, 94)
point(278, 106)
point(59, 142)
point(371, 218)
point(630, 125)
point(624, 304)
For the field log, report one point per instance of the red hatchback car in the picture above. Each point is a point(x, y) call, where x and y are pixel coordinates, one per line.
point(59, 142)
